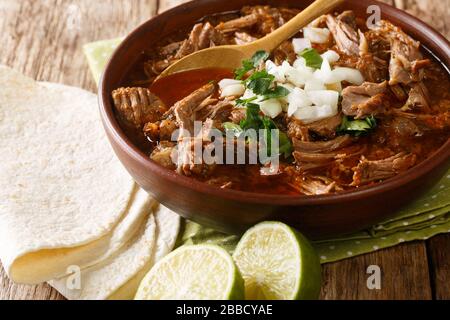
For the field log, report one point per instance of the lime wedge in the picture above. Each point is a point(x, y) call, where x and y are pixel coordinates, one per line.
point(201, 272)
point(277, 263)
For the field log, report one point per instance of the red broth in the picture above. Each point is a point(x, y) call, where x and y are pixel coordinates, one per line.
point(176, 86)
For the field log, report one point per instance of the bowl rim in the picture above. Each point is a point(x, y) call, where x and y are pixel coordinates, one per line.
point(111, 125)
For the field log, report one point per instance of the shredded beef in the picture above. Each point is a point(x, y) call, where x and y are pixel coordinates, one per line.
point(343, 29)
point(365, 100)
point(138, 106)
point(368, 171)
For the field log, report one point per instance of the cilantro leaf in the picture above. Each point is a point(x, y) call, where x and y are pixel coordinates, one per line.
point(268, 125)
point(260, 75)
point(312, 58)
point(260, 82)
point(235, 128)
point(260, 56)
point(278, 92)
point(252, 119)
point(260, 86)
point(244, 102)
point(256, 121)
point(284, 144)
point(239, 73)
point(371, 121)
point(248, 65)
point(357, 127)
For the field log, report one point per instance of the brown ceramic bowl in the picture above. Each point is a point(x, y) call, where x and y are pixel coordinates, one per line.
point(234, 211)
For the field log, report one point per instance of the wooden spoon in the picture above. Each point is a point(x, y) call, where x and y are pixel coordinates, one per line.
point(231, 56)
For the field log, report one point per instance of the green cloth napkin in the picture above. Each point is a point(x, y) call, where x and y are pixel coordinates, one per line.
point(420, 220)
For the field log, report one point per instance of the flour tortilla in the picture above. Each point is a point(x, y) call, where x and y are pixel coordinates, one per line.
point(101, 280)
point(109, 245)
point(62, 190)
point(119, 277)
point(168, 226)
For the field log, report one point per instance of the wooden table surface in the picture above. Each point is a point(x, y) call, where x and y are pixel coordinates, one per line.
point(44, 39)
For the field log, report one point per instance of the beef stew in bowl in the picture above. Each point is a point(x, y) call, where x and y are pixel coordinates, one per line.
point(352, 105)
point(231, 210)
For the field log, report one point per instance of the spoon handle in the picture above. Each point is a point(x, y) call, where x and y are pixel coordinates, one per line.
point(274, 39)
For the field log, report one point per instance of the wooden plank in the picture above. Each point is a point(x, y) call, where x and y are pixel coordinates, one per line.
point(390, 2)
point(404, 275)
point(47, 45)
point(164, 5)
point(439, 255)
point(433, 12)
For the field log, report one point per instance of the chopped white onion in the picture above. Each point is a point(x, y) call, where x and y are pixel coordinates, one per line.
point(233, 90)
point(301, 44)
point(276, 71)
point(271, 108)
point(231, 87)
point(305, 114)
point(324, 97)
point(324, 74)
point(284, 100)
point(248, 94)
point(314, 84)
point(315, 113)
point(316, 22)
point(228, 82)
point(297, 99)
point(296, 76)
point(331, 56)
point(300, 64)
point(316, 35)
point(325, 111)
point(353, 76)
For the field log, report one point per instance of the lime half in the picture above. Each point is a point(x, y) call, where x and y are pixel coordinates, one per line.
point(201, 272)
point(277, 263)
